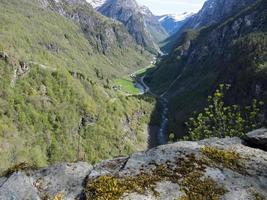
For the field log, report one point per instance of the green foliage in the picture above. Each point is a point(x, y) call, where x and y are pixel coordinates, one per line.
point(18, 167)
point(171, 138)
point(219, 120)
point(64, 107)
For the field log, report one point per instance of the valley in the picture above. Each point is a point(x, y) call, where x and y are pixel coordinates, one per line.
point(134, 84)
point(124, 103)
point(73, 112)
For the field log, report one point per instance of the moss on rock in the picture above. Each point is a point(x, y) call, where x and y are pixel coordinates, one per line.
point(229, 159)
point(187, 172)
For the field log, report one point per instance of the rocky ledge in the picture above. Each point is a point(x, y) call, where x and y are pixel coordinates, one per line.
point(229, 168)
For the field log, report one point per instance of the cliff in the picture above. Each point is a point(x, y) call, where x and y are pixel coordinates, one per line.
point(230, 168)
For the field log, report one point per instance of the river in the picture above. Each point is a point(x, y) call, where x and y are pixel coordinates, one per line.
point(164, 121)
point(162, 133)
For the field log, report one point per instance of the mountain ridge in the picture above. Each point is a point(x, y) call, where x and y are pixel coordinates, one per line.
point(211, 56)
point(213, 11)
point(139, 21)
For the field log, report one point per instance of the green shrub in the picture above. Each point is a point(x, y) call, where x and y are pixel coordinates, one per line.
point(220, 120)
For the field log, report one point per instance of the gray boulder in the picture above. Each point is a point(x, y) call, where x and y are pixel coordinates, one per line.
point(257, 138)
point(65, 179)
point(18, 186)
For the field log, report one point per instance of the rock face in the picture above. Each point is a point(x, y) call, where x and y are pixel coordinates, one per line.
point(212, 12)
point(215, 10)
point(257, 138)
point(209, 169)
point(63, 179)
point(139, 21)
point(102, 33)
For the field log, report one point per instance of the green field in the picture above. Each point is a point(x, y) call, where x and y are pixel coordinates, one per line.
point(127, 83)
point(127, 86)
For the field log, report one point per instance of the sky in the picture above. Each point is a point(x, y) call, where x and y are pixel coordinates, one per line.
point(161, 7)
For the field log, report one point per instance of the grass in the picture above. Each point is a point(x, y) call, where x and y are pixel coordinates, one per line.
point(127, 86)
point(143, 71)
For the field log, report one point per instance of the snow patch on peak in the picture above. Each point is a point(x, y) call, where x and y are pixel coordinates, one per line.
point(96, 3)
point(177, 17)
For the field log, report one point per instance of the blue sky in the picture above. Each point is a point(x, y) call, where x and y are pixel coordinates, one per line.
point(160, 7)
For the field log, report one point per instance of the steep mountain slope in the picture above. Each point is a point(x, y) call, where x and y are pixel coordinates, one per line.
point(215, 10)
point(212, 12)
point(233, 51)
point(158, 32)
point(139, 21)
point(172, 23)
point(103, 34)
point(57, 64)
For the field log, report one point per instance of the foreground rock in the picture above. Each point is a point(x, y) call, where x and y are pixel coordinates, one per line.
point(210, 169)
point(257, 139)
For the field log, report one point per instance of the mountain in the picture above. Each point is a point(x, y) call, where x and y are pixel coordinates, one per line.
point(103, 35)
point(172, 23)
point(231, 51)
point(215, 10)
point(228, 168)
point(96, 3)
point(139, 21)
point(157, 31)
point(212, 12)
point(58, 96)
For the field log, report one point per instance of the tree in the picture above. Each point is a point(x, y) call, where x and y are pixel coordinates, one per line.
point(219, 120)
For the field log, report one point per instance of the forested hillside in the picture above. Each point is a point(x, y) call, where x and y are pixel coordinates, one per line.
point(232, 51)
point(58, 61)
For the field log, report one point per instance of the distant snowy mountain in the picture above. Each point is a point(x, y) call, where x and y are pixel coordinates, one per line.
point(173, 22)
point(176, 17)
point(96, 3)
